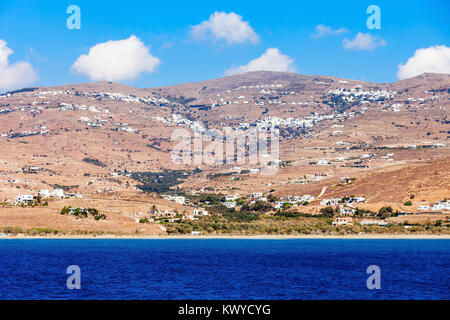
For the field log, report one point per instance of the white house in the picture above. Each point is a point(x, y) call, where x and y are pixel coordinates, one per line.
point(342, 221)
point(279, 204)
point(230, 204)
point(437, 207)
point(370, 222)
point(424, 208)
point(330, 202)
point(231, 198)
point(177, 199)
point(257, 194)
point(346, 211)
point(23, 198)
point(307, 197)
point(200, 212)
point(45, 193)
point(322, 162)
point(58, 193)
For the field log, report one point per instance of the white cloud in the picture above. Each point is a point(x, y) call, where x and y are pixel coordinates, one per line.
point(434, 59)
point(271, 60)
point(225, 26)
point(16, 75)
point(363, 41)
point(116, 60)
point(322, 31)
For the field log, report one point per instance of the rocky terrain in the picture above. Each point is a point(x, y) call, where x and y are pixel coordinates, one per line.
point(389, 140)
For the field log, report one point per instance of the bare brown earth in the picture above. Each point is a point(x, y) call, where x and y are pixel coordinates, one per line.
point(30, 218)
point(390, 176)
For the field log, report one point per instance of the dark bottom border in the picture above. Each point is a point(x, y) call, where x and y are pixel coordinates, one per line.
point(230, 309)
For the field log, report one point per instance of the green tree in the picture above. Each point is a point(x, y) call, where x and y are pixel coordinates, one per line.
point(327, 211)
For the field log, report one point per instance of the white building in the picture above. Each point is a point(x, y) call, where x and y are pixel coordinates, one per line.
point(177, 199)
point(200, 212)
point(307, 197)
point(279, 204)
point(371, 222)
point(438, 207)
point(23, 198)
point(231, 198)
point(330, 202)
point(58, 193)
point(45, 193)
point(342, 221)
point(346, 211)
point(322, 162)
point(230, 204)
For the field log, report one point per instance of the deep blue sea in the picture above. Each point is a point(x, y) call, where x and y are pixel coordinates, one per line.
point(225, 269)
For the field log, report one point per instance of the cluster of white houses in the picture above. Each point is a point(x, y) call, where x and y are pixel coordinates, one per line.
point(293, 201)
point(348, 221)
point(180, 120)
point(171, 215)
point(177, 199)
point(357, 93)
point(336, 201)
point(437, 206)
point(43, 194)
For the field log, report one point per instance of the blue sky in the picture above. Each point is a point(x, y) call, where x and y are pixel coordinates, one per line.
point(36, 31)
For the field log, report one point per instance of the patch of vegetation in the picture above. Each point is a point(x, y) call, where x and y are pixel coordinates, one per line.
point(327, 211)
point(161, 182)
point(240, 216)
point(83, 212)
point(207, 199)
point(95, 162)
point(289, 223)
point(218, 175)
point(385, 212)
point(41, 231)
point(181, 99)
point(21, 90)
point(258, 206)
point(65, 188)
point(12, 230)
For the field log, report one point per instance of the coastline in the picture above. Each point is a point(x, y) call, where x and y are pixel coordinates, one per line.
point(236, 237)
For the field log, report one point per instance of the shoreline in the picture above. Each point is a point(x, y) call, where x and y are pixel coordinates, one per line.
point(236, 237)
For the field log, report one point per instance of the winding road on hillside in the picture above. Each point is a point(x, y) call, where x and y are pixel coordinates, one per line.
point(322, 192)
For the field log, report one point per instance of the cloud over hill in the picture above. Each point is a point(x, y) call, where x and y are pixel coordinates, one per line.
point(116, 60)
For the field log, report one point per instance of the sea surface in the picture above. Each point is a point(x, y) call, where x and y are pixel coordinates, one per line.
point(224, 269)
